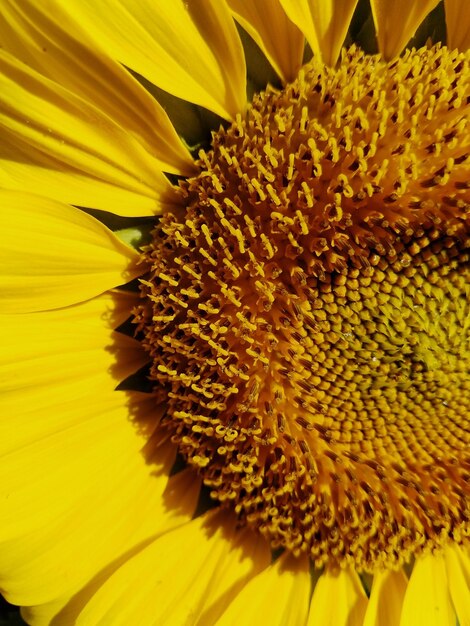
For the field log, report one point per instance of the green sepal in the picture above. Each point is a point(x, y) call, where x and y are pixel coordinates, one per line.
point(136, 236)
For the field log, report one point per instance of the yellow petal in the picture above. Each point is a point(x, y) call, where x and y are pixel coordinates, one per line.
point(427, 601)
point(82, 497)
point(58, 368)
point(39, 39)
point(280, 40)
point(53, 255)
point(45, 125)
point(338, 600)
point(277, 596)
point(43, 614)
point(396, 22)
point(324, 23)
point(464, 557)
point(459, 583)
point(59, 357)
point(184, 577)
point(386, 599)
point(24, 167)
point(160, 514)
point(189, 48)
point(71, 449)
point(458, 24)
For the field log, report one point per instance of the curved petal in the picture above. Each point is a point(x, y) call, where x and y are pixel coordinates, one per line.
point(386, 599)
point(280, 40)
point(189, 48)
point(161, 513)
point(53, 360)
point(38, 39)
point(79, 498)
point(84, 470)
point(396, 22)
point(324, 23)
point(458, 24)
point(184, 577)
point(338, 600)
point(65, 352)
point(428, 580)
point(44, 125)
point(459, 583)
point(24, 167)
point(53, 255)
point(277, 596)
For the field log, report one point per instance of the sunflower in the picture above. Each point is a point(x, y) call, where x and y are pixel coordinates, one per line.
point(235, 329)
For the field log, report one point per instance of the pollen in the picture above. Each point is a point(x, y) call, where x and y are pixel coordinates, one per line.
point(307, 311)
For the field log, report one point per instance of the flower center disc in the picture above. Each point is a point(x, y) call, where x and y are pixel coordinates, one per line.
point(307, 310)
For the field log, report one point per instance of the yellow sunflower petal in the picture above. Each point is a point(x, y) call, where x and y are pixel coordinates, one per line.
point(464, 557)
point(161, 514)
point(43, 614)
point(427, 601)
point(279, 39)
point(459, 584)
point(61, 355)
point(396, 22)
point(184, 577)
point(79, 498)
point(324, 23)
point(83, 477)
point(40, 40)
point(58, 359)
point(458, 24)
point(386, 599)
point(189, 48)
point(24, 167)
point(44, 125)
point(338, 600)
point(54, 255)
point(277, 596)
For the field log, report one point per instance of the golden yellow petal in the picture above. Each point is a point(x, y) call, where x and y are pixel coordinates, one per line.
point(280, 40)
point(57, 390)
point(324, 23)
point(338, 600)
point(43, 614)
point(386, 598)
point(59, 410)
point(184, 577)
point(83, 496)
point(39, 39)
point(164, 512)
point(427, 601)
point(54, 255)
point(56, 357)
point(396, 22)
point(464, 558)
point(50, 127)
point(277, 596)
point(37, 172)
point(458, 23)
point(459, 583)
point(189, 48)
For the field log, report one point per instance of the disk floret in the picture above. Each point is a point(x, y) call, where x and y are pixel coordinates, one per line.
point(307, 310)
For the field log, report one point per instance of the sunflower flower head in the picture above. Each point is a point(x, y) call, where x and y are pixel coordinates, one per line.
point(307, 310)
point(277, 415)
